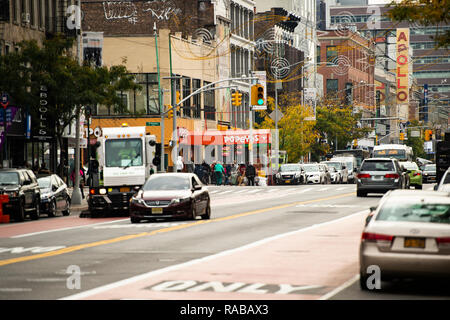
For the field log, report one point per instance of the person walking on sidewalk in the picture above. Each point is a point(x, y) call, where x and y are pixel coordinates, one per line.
point(180, 164)
point(82, 180)
point(250, 173)
point(218, 168)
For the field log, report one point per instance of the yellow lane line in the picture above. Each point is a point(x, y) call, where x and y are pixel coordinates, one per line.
point(164, 230)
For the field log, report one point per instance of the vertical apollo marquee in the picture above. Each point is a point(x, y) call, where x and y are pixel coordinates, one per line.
point(403, 66)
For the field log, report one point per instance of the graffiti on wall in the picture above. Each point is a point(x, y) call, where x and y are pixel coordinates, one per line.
point(127, 10)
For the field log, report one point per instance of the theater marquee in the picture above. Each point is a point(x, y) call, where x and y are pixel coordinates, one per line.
point(403, 66)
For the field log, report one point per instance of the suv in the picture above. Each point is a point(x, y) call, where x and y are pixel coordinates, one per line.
point(24, 194)
point(379, 175)
point(291, 173)
point(429, 173)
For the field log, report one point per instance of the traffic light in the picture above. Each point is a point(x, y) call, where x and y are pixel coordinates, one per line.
point(402, 136)
point(236, 98)
point(178, 97)
point(428, 135)
point(170, 112)
point(257, 93)
point(376, 140)
point(178, 110)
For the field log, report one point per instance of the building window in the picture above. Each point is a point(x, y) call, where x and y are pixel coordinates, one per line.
point(196, 99)
point(318, 54)
point(187, 92)
point(332, 54)
point(209, 103)
point(32, 12)
point(332, 86)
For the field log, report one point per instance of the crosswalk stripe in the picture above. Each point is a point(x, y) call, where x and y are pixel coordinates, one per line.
point(323, 189)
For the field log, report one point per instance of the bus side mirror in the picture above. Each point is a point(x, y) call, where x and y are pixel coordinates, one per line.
point(152, 143)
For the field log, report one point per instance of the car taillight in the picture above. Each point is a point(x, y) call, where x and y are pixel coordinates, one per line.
point(363, 175)
point(391, 175)
point(366, 236)
point(443, 242)
point(417, 174)
point(92, 191)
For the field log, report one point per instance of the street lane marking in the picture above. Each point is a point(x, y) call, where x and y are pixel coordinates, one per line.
point(65, 229)
point(342, 287)
point(165, 230)
point(145, 276)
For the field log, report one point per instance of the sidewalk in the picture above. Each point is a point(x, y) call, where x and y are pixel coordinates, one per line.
point(78, 208)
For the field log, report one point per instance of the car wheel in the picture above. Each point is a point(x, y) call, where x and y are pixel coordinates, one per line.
point(20, 216)
point(37, 212)
point(67, 211)
point(135, 220)
point(418, 187)
point(207, 214)
point(52, 209)
point(360, 193)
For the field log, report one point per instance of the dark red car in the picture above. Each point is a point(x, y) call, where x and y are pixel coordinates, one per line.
point(171, 195)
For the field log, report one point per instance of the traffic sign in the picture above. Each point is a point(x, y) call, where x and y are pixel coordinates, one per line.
point(152, 124)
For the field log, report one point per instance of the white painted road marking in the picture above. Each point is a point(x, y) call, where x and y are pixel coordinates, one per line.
point(18, 250)
point(145, 276)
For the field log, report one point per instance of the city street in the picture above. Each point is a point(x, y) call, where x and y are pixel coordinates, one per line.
point(276, 242)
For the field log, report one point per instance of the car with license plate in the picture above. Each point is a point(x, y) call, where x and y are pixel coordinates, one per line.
point(24, 194)
point(171, 195)
point(341, 168)
point(429, 173)
point(414, 174)
point(314, 174)
point(55, 197)
point(290, 173)
point(407, 236)
point(379, 175)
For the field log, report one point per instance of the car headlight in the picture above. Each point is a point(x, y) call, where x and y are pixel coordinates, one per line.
point(137, 200)
point(278, 175)
point(176, 201)
point(102, 191)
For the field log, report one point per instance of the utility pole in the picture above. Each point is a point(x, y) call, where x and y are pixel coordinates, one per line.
point(163, 169)
point(76, 193)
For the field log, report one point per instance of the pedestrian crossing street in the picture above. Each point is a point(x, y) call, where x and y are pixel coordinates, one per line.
point(217, 191)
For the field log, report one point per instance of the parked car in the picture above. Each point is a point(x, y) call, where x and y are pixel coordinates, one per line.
point(444, 184)
point(24, 194)
point(335, 175)
point(341, 169)
point(429, 173)
point(171, 195)
point(414, 173)
point(407, 236)
point(324, 168)
point(378, 175)
point(313, 173)
point(55, 197)
point(352, 166)
point(290, 173)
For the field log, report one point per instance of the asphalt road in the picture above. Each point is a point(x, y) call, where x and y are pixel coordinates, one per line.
point(277, 242)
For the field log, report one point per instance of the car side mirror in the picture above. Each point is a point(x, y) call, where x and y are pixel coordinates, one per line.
point(368, 218)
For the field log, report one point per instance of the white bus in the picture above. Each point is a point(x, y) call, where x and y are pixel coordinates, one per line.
point(397, 151)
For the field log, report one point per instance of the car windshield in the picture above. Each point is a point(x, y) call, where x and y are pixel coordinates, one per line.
point(290, 167)
point(410, 165)
point(430, 167)
point(415, 211)
point(123, 152)
point(377, 166)
point(9, 178)
point(45, 182)
point(311, 168)
point(336, 165)
point(167, 183)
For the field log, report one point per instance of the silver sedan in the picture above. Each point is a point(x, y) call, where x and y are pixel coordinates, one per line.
point(407, 236)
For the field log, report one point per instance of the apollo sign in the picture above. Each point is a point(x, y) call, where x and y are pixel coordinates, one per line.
point(402, 66)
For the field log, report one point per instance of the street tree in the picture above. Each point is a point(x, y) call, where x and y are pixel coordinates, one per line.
point(69, 86)
point(337, 124)
point(426, 13)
